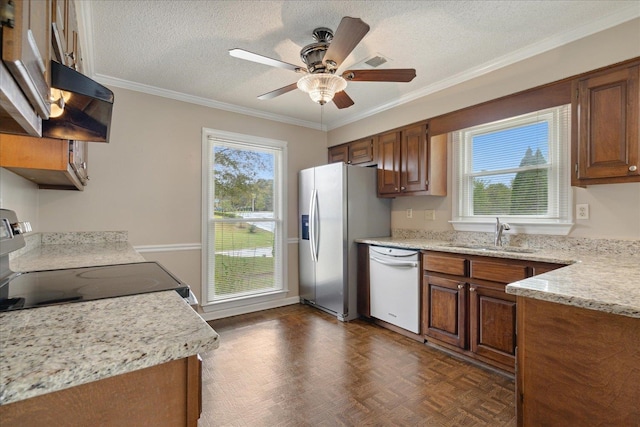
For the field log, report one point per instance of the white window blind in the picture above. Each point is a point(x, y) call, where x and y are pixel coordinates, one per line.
point(516, 169)
point(244, 226)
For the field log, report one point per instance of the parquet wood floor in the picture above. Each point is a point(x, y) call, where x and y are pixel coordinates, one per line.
point(298, 366)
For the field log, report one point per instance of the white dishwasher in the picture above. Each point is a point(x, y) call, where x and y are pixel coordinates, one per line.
point(394, 288)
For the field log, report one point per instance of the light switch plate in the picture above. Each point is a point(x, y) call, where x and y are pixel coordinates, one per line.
point(582, 211)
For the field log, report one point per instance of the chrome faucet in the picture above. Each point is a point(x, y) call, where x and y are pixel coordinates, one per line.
point(500, 227)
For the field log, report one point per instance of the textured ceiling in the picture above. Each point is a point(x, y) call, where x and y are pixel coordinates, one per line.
point(180, 48)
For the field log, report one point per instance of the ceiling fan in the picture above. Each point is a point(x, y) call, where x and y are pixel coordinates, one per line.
point(323, 59)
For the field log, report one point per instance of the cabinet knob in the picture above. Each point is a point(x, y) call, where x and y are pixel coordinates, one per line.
point(403, 188)
point(633, 168)
point(472, 289)
point(396, 189)
point(348, 162)
point(460, 285)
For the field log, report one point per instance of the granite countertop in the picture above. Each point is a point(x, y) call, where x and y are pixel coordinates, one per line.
point(52, 348)
point(599, 281)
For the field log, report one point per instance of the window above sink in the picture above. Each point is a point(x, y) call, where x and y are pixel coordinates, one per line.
point(517, 169)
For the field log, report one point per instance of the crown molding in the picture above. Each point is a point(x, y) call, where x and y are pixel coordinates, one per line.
point(179, 96)
point(545, 45)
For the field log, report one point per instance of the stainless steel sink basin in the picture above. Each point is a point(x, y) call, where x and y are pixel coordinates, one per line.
point(512, 249)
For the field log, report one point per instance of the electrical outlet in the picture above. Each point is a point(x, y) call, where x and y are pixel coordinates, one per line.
point(430, 215)
point(582, 211)
point(409, 213)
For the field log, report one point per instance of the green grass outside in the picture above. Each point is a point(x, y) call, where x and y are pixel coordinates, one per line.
point(235, 274)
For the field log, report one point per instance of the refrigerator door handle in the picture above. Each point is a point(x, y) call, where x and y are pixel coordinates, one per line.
point(313, 206)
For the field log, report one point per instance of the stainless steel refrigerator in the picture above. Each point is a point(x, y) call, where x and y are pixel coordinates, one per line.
point(338, 204)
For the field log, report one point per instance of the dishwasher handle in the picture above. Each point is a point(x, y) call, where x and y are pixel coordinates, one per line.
point(402, 264)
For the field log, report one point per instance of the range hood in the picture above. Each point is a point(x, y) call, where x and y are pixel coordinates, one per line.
point(86, 114)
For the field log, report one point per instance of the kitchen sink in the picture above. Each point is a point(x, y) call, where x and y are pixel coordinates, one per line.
point(512, 249)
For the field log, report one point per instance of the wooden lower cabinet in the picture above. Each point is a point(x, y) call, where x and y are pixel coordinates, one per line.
point(168, 395)
point(445, 310)
point(465, 307)
point(576, 367)
point(492, 323)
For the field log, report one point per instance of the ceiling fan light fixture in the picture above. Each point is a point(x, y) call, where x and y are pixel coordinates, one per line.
point(322, 87)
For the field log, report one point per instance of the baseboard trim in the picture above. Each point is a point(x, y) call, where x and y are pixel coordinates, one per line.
point(251, 308)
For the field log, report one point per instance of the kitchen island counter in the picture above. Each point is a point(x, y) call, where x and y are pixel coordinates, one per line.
point(48, 349)
point(596, 277)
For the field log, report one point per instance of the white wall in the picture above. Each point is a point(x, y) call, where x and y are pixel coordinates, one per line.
point(19, 195)
point(614, 209)
point(147, 179)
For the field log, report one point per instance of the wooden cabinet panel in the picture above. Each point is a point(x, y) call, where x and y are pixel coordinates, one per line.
point(361, 151)
point(576, 366)
point(389, 163)
point(605, 127)
point(447, 264)
point(339, 153)
point(50, 163)
point(363, 280)
point(445, 310)
point(164, 395)
point(413, 149)
point(25, 51)
point(492, 326)
point(496, 271)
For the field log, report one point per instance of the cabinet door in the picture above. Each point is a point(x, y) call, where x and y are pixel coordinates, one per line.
point(25, 51)
point(389, 163)
point(78, 158)
point(413, 151)
point(444, 310)
point(60, 34)
point(492, 323)
point(361, 151)
point(339, 154)
point(606, 118)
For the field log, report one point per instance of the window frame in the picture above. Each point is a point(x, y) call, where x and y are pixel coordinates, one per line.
point(280, 217)
point(560, 219)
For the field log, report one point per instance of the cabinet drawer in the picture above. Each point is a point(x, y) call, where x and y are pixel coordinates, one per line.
point(498, 271)
point(444, 264)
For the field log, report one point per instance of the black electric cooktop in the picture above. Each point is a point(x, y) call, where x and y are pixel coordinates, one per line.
point(52, 287)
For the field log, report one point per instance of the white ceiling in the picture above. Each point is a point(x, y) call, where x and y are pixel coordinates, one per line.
point(179, 48)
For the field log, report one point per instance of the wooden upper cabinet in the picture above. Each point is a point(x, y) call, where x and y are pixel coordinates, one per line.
point(66, 45)
point(361, 152)
point(50, 163)
point(389, 163)
point(410, 163)
point(605, 127)
point(339, 153)
point(413, 159)
point(26, 51)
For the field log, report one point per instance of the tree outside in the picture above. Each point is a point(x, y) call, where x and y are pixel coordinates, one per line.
point(525, 193)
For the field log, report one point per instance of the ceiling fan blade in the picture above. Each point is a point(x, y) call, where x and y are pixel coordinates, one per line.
point(278, 92)
point(347, 36)
point(254, 57)
point(403, 75)
point(342, 100)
